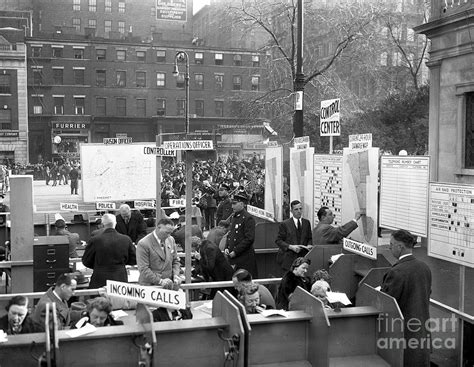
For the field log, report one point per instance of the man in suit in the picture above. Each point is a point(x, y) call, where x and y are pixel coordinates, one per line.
point(74, 239)
point(239, 247)
point(157, 257)
point(131, 223)
point(62, 291)
point(326, 234)
point(294, 237)
point(224, 209)
point(107, 254)
point(179, 234)
point(409, 282)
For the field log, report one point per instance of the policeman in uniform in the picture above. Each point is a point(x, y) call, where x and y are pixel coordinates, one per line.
point(239, 248)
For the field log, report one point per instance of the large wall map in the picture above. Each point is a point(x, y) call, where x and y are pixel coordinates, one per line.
point(118, 172)
point(328, 185)
point(360, 192)
point(451, 223)
point(274, 183)
point(301, 179)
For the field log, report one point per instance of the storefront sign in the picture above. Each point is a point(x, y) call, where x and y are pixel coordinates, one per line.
point(9, 134)
point(146, 294)
point(171, 10)
point(72, 207)
point(70, 125)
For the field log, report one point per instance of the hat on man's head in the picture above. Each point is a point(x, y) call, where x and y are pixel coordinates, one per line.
point(225, 186)
point(242, 197)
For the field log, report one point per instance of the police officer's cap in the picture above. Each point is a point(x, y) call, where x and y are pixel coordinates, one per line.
point(240, 197)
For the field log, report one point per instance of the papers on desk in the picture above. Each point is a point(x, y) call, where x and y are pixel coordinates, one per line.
point(334, 297)
point(86, 329)
point(117, 314)
point(334, 258)
point(3, 337)
point(133, 275)
point(205, 307)
point(271, 312)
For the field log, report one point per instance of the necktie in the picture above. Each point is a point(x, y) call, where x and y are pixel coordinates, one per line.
point(298, 232)
point(299, 225)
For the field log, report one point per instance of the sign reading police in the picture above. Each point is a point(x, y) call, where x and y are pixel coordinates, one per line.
point(330, 124)
point(102, 205)
point(145, 294)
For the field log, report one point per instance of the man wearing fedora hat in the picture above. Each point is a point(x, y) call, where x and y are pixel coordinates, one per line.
point(239, 247)
point(224, 209)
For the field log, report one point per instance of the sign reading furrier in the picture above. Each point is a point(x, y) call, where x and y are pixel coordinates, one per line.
point(330, 124)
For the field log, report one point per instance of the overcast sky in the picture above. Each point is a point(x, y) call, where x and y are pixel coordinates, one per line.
point(198, 4)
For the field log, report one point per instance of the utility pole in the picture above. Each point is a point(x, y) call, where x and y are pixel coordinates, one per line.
point(299, 77)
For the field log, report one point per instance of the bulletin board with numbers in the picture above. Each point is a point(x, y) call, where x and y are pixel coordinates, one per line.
point(451, 223)
point(328, 185)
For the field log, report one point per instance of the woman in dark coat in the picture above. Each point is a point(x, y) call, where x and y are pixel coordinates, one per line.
point(17, 320)
point(293, 278)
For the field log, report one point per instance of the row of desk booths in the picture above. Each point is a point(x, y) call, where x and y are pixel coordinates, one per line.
point(310, 335)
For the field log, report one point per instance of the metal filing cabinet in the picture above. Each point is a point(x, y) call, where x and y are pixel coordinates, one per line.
point(50, 258)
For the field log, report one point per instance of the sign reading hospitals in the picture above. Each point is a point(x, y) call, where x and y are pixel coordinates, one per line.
point(146, 294)
point(359, 248)
point(189, 145)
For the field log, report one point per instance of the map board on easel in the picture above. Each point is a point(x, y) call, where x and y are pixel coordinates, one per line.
point(118, 172)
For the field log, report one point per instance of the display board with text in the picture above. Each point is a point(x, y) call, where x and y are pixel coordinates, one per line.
point(328, 185)
point(451, 223)
point(404, 183)
point(118, 172)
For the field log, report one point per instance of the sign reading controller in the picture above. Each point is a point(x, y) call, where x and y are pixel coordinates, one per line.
point(359, 248)
point(145, 294)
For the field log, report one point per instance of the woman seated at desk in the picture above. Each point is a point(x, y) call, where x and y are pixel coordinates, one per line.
point(98, 313)
point(17, 320)
point(249, 296)
point(293, 278)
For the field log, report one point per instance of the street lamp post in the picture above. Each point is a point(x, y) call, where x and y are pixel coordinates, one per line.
point(180, 57)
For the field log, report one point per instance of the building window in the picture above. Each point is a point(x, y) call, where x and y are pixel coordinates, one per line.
point(469, 159)
point(141, 79)
point(219, 82)
point(100, 106)
point(219, 59)
point(410, 35)
point(5, 84)
point(121, 79)
point(58, 105)
point(107, 26)
point(255, 61)
point(108, 6)
point(160, 55)
point(58, 76)
point(383, 59)
point(161, 107)
point(79, 103)
point(76, 5)
point(37, 105)
point(256, 83)
point(100, 78)
point(219, 108)
point(199, 104)
point(57, 52)
point(397, 59)
point(78, 53)
point(141, 107)
point(79, 76)
point(237, 60)
point(36, 51)
point(180, 80)
point(92, 23)
point(37, 76)
point(141, 56)
point(100, 54)
point(180, 107)
point(121, 27)
point(93, 5)
point(121, 6)
point(121, 104)
point(76, 23)
point(6, 119)
point(199, 81)
point(198, 57)
point(236, 107)
point(236, 82)
point(160, 80)
point(121, 55)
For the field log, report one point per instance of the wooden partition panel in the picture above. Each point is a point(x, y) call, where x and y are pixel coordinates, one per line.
point(266, 249)
point(318, 329)
point(374, 277)
point(389, 324)
point(320, 256)
point(343, 277)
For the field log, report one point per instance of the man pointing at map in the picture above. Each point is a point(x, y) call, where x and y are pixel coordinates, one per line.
point(326, 234)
